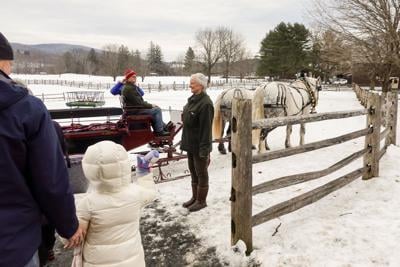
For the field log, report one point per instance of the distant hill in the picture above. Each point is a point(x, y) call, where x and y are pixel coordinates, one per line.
point(56, 49)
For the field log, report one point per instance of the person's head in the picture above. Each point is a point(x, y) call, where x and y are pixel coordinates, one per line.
point(6, 55)
point(198, 83)
point(106, 165)
point(130, 76)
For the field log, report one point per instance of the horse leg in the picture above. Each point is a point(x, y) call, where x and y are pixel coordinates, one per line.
point(302, 133)
point(288, 133)
point(266, 143)
point(221, 146)
point(265, 133)
point(261, 146)
point(228, 133)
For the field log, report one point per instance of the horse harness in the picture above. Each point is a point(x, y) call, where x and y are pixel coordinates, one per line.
point(225, 109)
point(310, 93)
point(281, 97)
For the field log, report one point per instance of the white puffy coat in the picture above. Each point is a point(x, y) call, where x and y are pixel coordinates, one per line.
point(112, 211)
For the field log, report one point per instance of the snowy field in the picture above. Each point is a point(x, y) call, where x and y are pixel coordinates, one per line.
point(359, 225)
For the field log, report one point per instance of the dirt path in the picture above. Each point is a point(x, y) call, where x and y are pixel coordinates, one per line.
point(167, 241)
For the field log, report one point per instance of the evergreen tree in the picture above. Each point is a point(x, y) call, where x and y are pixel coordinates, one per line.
point(123, 58)
point(189, 61)
point(155, 59)
point(285, 51)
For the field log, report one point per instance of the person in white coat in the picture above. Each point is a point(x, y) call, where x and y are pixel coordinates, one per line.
point(111, 212)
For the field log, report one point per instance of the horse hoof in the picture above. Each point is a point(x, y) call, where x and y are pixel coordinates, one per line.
point(221, 149)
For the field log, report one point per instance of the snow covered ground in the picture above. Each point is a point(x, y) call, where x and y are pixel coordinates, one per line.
point(359, 225)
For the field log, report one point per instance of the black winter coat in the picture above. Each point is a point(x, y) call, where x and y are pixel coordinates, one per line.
point(132, 97)
point(197, 120)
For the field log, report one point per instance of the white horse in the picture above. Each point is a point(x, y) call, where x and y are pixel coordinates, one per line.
point(277, 99)
point(222, 114)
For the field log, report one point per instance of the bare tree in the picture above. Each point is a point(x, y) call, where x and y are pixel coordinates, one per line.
point(138, 63)
point(246, 65)
point(232, 49)
point(334, 53)
point(210, 46)
point(92, 62)
point(370, 26)
point(110, 60)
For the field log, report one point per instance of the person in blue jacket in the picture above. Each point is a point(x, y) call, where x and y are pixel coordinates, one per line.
point(33, 177)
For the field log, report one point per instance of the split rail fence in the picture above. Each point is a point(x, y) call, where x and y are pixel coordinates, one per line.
point(242, 191)
point(148, 87)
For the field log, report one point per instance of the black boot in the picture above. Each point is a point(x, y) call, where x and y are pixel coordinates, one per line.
point(201, 199)
point(162, 133)
point(194, 196)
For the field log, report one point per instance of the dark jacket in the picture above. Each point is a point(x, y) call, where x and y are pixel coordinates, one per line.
point(33, 176)
point(132, 96)
point(197, 120)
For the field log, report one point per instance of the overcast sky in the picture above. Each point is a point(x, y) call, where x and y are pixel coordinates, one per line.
point(172, 24)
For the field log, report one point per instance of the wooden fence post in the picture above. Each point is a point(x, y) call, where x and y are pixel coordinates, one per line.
point(385, 109)
point(242, 180)
point(392, 116)
point(372, 140)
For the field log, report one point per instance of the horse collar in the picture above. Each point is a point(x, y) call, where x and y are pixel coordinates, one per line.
point(310, 93)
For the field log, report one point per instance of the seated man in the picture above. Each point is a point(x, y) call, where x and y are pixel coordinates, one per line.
point(132, 97)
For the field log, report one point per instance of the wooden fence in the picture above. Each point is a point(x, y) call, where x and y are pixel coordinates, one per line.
point(242, 219)
point(149, 87)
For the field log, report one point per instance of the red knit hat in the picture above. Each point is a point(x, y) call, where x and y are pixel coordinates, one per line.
point(129, 73)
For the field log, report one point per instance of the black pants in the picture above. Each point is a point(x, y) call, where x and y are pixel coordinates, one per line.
point(48, 240)
point(198, 169)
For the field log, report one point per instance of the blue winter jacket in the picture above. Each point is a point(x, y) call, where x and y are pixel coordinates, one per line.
point(33, 176)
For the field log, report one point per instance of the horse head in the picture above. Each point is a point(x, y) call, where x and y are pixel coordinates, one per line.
point(314, 83)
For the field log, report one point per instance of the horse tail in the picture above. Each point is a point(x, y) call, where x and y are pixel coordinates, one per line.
point(217, 121)
point(258, 112)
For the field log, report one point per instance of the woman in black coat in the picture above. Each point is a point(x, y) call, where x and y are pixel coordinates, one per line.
point(197, 120)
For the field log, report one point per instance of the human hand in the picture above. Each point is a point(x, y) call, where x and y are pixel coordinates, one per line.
point(77, 238)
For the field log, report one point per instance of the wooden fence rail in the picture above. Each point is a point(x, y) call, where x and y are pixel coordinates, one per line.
point(305, 177)
point(306, 198)
point(242, 189)
point(281, 121)
point(311, 146)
